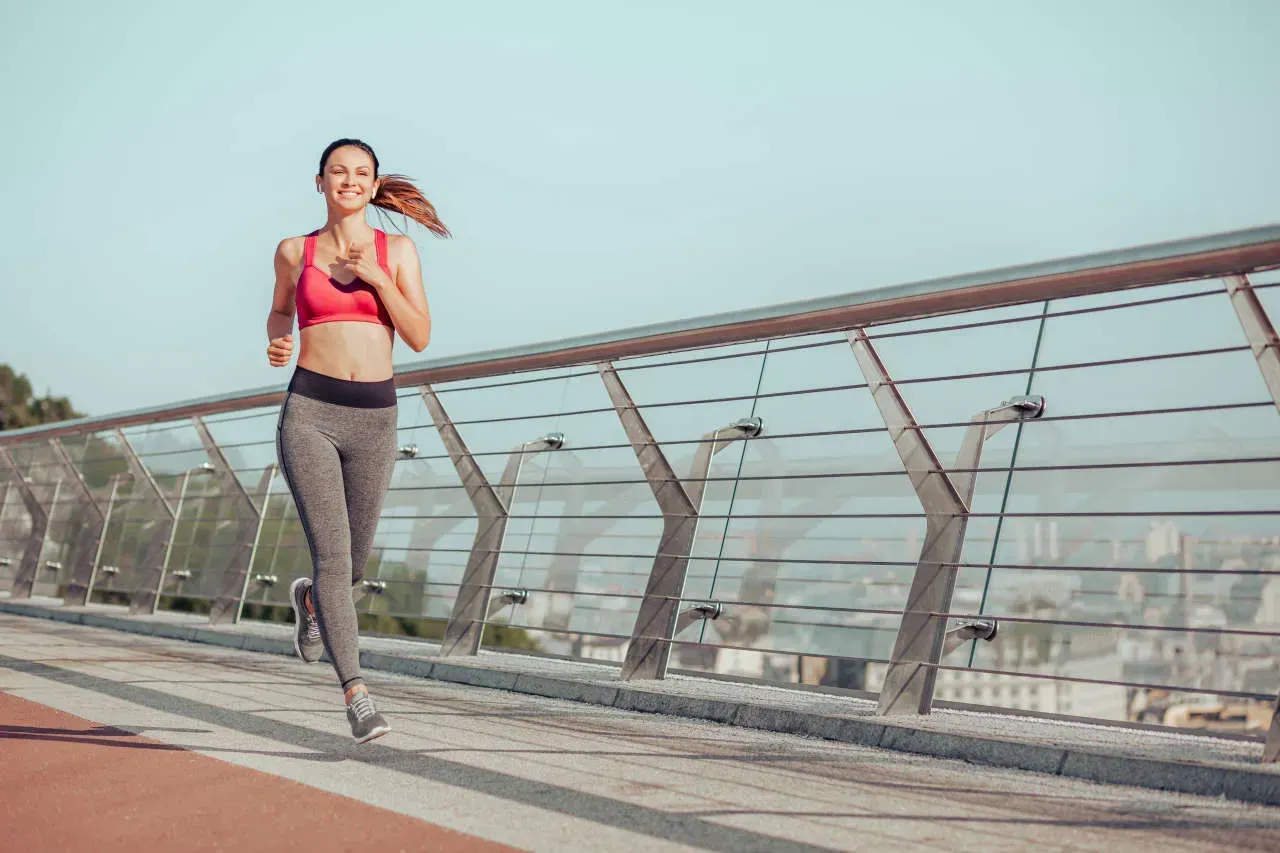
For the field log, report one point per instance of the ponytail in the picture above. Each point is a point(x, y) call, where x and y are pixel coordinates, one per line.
point(397, 194)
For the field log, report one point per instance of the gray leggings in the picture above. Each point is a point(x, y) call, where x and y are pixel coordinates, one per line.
point(337, 460)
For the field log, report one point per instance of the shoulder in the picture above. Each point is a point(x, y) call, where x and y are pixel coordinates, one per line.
point(290, 249)
point(401, 249)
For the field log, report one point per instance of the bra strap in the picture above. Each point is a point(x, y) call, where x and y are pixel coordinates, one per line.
point(380, 246)
point(309, 249)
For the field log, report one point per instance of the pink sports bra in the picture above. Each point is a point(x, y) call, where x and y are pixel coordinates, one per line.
point(320, 298)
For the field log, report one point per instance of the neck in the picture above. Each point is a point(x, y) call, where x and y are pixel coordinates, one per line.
point(348, 228)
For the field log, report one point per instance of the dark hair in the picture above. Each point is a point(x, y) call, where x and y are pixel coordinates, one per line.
point(396, 193)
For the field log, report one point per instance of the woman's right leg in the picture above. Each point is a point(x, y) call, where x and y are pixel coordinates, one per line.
point(312, 468)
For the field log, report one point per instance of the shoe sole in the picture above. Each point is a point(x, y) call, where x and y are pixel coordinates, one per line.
point(376, 733)
point(297, 617)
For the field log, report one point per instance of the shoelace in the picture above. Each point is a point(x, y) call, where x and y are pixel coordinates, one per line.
point(362, 707)
point(311, 623)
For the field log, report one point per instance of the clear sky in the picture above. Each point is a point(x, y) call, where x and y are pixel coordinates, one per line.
point(602, 164)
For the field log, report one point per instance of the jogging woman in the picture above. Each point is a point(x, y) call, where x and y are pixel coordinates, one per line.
point(353, 288)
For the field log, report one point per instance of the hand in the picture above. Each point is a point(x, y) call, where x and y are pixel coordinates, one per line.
point(362, 260)
point(280, 350)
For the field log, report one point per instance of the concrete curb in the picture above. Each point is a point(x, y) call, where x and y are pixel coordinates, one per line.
point(1237, 781)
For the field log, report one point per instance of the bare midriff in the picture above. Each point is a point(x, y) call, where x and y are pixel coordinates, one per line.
point(348, 350)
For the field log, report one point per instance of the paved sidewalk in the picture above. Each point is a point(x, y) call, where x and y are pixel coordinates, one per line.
point(533, 773)
point(1159, 759)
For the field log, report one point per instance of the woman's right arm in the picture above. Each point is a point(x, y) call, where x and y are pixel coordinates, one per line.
point(280, 320)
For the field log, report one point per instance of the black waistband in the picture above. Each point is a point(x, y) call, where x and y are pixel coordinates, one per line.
point(343, 392)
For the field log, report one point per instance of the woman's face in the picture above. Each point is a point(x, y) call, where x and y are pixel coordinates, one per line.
point(348, 182)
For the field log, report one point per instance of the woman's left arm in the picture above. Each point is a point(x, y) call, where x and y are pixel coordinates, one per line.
point(403, 296)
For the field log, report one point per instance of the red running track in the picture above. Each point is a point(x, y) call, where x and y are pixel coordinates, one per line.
point(67, 784)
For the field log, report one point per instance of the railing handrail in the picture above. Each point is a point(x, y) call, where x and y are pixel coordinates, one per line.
point(1212, 255)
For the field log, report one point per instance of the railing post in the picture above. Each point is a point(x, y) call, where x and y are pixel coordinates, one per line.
point(89, 539)
point(918, 648)
point(150, 572)
point(1271, 750)
point(471, 608)
point(102, 540)
point(655, 627)
point(25, 577)
point(1258, 331)
point(163, 571)
point(233, 586)
point(1265, 344)
point(4, 499)
point(233, 581)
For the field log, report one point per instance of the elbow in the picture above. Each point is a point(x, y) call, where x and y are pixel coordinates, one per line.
point(419, 344)
point(422, 338)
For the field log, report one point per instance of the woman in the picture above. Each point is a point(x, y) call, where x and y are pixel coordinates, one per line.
point(353, 288)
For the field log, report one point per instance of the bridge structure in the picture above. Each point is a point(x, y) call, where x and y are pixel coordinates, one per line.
point(1025, 517)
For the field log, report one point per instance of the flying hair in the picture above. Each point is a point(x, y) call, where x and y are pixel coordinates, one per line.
point(396, 193)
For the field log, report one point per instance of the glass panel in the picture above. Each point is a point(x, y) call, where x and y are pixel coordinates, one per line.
point(826, 527)
point(1147, 521)
point(46, 475)
point(15, 530)
point(428, 523)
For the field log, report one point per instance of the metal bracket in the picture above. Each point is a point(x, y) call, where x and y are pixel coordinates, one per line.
point(508, 598)
point(181, 574)
point(492, 505)
point(918, 648)
point(968, 630)
point(711, 610)
point(655, 627)
point(266, 580)
point(53, 565)
point(375, 587)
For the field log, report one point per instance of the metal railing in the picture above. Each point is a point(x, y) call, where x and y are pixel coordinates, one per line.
point(1050, 488)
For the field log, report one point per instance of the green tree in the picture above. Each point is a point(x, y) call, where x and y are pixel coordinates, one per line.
point(20, 408)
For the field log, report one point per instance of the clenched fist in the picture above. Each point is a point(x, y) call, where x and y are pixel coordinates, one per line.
point(363, 262)
point(280, 350)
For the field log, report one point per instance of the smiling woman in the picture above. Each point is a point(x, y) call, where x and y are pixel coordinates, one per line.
point(353, 289)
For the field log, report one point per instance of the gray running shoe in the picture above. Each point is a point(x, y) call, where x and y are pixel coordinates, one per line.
point(366, 722)
point(306, 629)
